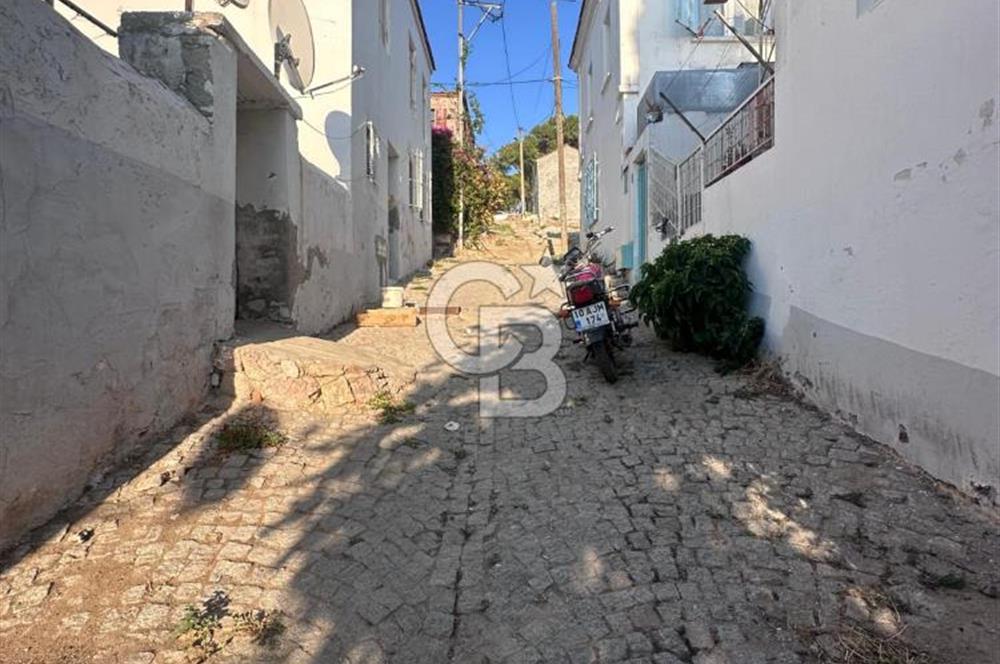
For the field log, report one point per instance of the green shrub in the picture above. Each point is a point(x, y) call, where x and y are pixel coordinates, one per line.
point(695, 297)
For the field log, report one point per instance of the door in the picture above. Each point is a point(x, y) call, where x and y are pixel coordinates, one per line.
point(641, 206)
point(392, 205)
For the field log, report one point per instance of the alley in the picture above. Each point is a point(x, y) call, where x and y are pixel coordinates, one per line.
point(678, 516)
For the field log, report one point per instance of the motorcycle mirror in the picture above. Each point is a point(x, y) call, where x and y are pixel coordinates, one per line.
point(545, 261)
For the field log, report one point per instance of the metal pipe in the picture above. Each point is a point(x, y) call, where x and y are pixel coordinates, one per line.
point(90, 17)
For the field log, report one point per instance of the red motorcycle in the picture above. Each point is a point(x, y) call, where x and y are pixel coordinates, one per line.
point(597, 311)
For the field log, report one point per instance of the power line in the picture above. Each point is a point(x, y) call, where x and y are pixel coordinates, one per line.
point(697, 43)
point(510, 77)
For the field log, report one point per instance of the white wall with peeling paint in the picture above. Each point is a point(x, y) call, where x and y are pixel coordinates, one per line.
point(116, 255)
point(876, 223)
point(331, 142)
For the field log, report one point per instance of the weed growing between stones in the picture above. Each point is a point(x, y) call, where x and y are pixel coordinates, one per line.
point(263, 627)
point(248, 436)
point(388, 408)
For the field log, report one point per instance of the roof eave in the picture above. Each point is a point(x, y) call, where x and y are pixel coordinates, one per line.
point(415, 4)
point(586, 13)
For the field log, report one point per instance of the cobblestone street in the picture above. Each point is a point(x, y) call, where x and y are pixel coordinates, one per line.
point(679, 516)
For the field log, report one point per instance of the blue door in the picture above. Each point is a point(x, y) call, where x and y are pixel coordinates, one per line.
point(639, 230)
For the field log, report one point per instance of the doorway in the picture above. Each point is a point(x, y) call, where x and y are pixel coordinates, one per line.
point(641, 207)
point(392, 207)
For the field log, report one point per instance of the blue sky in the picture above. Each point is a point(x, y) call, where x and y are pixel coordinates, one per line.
point(527, 25)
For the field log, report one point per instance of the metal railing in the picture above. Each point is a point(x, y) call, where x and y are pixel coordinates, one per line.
point(663, 208)
point(85, 14)
point(745, 134)
point(689, 188)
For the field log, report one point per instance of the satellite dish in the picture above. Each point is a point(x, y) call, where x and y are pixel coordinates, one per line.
point(293, 42)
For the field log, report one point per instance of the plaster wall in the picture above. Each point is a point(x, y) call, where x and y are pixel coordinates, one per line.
point(383, 97)
point(876, 225)
point(116, 253)
point(323, 234)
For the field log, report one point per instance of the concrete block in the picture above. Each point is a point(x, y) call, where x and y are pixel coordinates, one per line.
point(406, 317)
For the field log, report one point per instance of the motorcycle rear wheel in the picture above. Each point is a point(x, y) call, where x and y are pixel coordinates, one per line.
point(602, 356)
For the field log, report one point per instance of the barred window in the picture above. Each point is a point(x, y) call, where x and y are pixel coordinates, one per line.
point(371, 150)
point(417, 183)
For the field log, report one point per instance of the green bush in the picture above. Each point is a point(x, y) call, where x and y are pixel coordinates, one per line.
point(695, 297)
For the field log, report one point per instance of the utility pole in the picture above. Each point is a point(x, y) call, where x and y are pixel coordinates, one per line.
point(557, 81)
point(487, 9)
point(520, 147)
point(461, 121)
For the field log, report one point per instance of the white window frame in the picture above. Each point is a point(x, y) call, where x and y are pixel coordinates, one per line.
point(371, 151)
point(417, 184)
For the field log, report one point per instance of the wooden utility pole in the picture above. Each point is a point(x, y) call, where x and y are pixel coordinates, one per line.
point(461, 121)
point(557, 81)
point(520, 148)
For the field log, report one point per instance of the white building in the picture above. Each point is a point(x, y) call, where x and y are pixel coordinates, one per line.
point(866, 174)
point(366, 135)
point(618, 48)
point(152, 199)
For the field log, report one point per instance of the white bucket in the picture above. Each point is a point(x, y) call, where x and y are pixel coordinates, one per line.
point(392, 297)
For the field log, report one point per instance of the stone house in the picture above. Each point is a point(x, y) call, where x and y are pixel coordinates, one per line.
point(444, 113)
point(547, 187)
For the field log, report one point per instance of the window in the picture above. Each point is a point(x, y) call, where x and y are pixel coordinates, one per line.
point(591, 204)
point(371, 150)
point(417, 183)
point(424, 102)
point(697, 17)
point(689, 14)
point(383, 21)
point(413, 74)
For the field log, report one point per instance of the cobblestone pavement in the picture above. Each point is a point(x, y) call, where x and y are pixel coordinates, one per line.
point(678, 516)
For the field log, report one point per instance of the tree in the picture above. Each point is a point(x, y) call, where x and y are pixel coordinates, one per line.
point(454, 166)
point(538, 142)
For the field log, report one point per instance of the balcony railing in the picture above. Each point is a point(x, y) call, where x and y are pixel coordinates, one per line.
point(748, 132)
point(745, 134)
point(689, 188)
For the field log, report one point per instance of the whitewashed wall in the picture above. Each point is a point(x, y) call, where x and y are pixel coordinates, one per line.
point(383, 97)
point(875, 223)
point(338, 279)
point(116, 255)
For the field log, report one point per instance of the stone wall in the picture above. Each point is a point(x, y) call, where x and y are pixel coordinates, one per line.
point(116, 250)
point(548, 186)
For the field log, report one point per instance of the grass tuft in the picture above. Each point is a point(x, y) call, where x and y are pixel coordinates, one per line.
point(389, 409)
point(248, 436)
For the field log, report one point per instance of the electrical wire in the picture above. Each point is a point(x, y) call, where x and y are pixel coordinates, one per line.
point(510, 77)
point(333, 138)
point(697, 43)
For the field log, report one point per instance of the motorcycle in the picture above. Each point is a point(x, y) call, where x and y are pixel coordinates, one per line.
point(598, 311)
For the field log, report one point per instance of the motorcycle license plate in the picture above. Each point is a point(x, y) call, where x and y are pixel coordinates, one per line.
point(589, 317)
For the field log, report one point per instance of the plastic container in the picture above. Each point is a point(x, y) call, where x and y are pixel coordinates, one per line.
point(392, 297)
